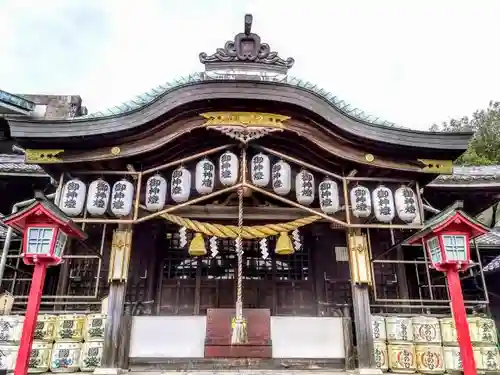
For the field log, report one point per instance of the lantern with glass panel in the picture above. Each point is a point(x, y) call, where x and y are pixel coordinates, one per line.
point(45, 231)
point(447, 238)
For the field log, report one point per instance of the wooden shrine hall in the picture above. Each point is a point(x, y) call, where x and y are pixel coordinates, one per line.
point(241, 213)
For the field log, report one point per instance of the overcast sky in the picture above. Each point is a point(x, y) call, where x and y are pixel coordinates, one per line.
point(413, 62)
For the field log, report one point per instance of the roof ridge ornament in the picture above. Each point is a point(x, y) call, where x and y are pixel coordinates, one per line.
point(246, 52)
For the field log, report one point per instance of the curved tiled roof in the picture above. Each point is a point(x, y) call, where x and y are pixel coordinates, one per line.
point(483, 174)
point(150, 96)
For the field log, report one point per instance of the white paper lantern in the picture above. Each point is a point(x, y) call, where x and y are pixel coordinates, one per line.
point(180, 186)
point(122, 196)
point(205, 176)
point(98, 197)
point(406, 204)
point(73, 197)
point(228, 168)
point(361, 201)
point(383, 204)
point(282, 178)
point(304, 187)
point(156, 192)
point(260, 166)
point(328, 192)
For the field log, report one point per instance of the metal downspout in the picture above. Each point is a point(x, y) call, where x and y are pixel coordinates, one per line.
point(8, 236)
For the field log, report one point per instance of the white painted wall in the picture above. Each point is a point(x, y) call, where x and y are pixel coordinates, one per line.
point(184, 337)
point(307, 337)
point(168, 336)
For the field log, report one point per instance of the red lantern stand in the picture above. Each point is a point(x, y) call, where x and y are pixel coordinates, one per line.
point(447, 240)
point(45, 230)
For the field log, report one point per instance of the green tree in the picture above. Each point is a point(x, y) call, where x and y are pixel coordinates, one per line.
point(484, 148)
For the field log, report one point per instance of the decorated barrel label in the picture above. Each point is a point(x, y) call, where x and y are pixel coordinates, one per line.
point(91, 355)
point(69, 328)
point(430, 359)
point(399, 329)
point(8, 357)
point(11, 328)
point(426, 330)
point(39, 358)
point(380, 355)
point(66, 357)
point(378, 328)
point(45, 329)
point(483, 331)
point(402, 358)
point(487, 359)
point(94, 327)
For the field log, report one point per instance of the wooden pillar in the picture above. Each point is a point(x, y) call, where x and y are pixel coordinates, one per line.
point(117, 277)
point(361, 279)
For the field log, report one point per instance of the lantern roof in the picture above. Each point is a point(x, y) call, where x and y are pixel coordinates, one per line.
point(445, 219)
point(43, 208)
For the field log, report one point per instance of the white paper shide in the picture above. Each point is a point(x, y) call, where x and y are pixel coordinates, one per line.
point(328, 191)
point(122, 196)
point(383, 204)
point(406, 204)
point(304, 187)
point(156, 192)
point(260, 170)
point(228, 168)
point(361, 201)
point(180, 186)
point(73, 197)
point(98, 197)
point(205, 176)
point(282, 178)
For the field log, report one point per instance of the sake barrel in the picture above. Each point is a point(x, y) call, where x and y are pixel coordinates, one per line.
point(483, 331)
point(380, 354)
point(452, 360)
point(69, 328)
point(378, 328)
point(40, 357)
point(94, 327)
point(8, 356)
point(66, 357)
point(429, 359)
point(487, 358)
point(91, 355)
point(402, 358)
point(11, 328)
point(45, 329)
point(448, 332)
point(426, 330)
point(398, 329)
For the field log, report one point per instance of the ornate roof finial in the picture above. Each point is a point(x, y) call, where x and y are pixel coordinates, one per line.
point(246, 52)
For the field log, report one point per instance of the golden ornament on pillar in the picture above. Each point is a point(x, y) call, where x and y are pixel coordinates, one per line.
point(359, 259)
point(120, 255)
point(197, 246)
point(284, 244)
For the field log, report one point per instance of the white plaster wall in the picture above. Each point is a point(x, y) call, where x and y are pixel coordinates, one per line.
point(307, 337)
point(168, 337)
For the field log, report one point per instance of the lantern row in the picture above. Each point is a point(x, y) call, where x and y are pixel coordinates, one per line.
point(119, 197)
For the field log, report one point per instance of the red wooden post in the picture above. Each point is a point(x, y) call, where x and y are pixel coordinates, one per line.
point(34, 299)
point(461, 324)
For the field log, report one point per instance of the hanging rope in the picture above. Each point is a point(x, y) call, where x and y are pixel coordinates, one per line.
point(239, 334)
point(247, 232)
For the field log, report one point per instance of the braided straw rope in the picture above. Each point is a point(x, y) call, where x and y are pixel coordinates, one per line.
point(247, 232)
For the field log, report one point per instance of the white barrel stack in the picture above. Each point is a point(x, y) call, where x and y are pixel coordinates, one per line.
point(11, 328)
point(428, 349)
point(484, 340)
point(400, 344)
point(91, 355)
point(41, 351)
point(379, 342)
point(68, 344)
